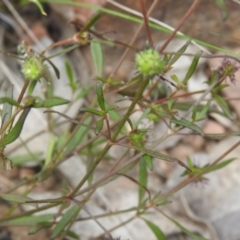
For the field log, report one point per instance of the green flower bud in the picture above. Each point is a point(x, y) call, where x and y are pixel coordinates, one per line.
point(32, 68)
point(149, 62)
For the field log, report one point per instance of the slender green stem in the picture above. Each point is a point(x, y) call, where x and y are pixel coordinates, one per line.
point(116, 133)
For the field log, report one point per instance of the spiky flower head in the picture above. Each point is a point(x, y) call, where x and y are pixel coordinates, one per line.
point(33, 68)
point(149, 62)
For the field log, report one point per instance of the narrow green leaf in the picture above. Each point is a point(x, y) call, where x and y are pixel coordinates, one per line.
point(64, 51)
point(93, 111)
point(144, 115)
point(179, 53)
point(89, 165)
point(99, 126)
point(36, 228)
point(92, 21)
point(24, 158)
point(190, 162)
point(55, 69)
point(148, 161)
point(39, 5)
point(100, 97)
point(184, 106)
point(194, 113)
point(61, 140)
point(97, 55)
point(113, 115)
point(111, 108)
point(160, 202)
point(219, 88)
point(184, 229)
point(203, 112)
point(77, 138)
point(223, 105)
point(187, 124)
point(65, 220)
point(221, 4)
point(142, 178)
point(72, 235)
point(50, 150)
point(156, 230)
point(29, 220)
point(15, 198)
point(9, 100)
point(174, 78)
point(170, 103)
point(55, 101)
point(16, 130)
point(192, 67)
point(69, 71)
point(220, 165)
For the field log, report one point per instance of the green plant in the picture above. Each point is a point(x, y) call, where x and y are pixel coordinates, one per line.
point(102, 125)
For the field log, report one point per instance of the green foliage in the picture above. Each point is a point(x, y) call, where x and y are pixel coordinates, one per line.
point(196, 169)
point(16, 130)
point(142, 180)
point(187, 124)
point(39, 5)
point(102, 124)
point(156, 230)
point(192, 67)
point(221, 4)
point(65, 220)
